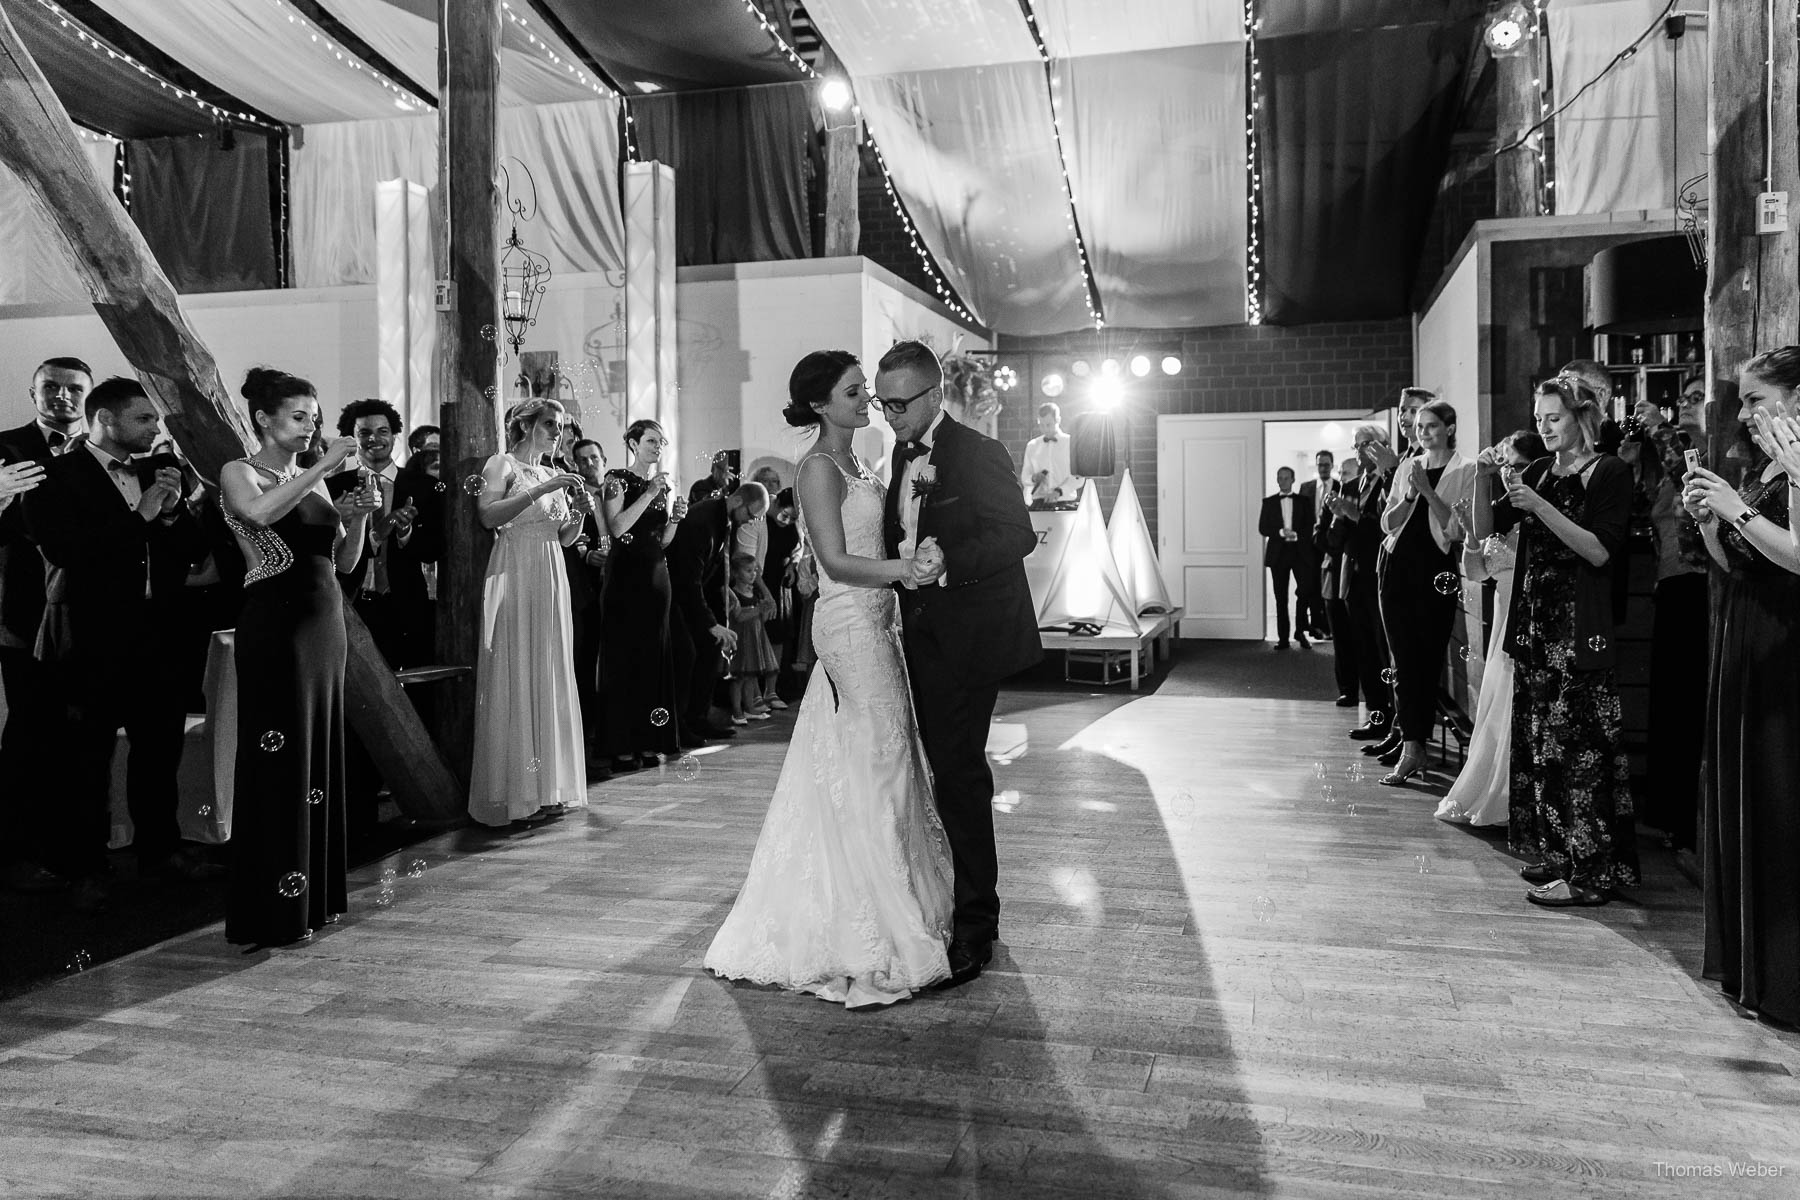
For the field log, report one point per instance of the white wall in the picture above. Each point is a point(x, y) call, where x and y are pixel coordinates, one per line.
point(1449, 346)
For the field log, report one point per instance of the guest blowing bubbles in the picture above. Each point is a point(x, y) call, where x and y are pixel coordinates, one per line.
point(1750, 781)
point(1571, 783)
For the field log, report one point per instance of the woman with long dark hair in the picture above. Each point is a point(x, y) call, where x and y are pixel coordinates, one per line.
point(1750, 780)
point(1571, 810)
point(287, 839)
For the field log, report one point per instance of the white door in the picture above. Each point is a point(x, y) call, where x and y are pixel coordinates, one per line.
point(1209, 472)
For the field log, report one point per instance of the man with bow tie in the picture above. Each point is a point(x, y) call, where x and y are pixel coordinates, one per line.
point(1045, 477)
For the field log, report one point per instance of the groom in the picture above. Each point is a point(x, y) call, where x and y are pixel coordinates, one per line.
point(968, 631)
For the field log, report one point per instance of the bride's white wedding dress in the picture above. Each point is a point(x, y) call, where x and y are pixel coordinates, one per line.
point(849, 891)
point(1482, 793)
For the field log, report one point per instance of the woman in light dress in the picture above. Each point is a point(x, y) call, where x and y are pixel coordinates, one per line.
point(1481, 793)
point(848, 896)
point(529, 763)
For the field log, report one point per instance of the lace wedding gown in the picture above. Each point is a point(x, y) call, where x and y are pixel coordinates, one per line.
point(849, 891)
point(1482, 792)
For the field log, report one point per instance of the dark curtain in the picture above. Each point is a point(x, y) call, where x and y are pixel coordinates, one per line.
point(740, 170)
point(205, 210)
point(1356, 136)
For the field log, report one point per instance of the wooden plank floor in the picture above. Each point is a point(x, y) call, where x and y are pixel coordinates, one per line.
point(1213, 983)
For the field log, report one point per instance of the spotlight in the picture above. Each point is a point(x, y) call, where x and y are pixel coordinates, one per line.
point(1005, 378)
point(1506, 29)
point(1110, 368)
point(834, 94)
point(1052, 385)
point(1079, 368)
point(1171, 365)
point(1107, 392)
point(1140, 365)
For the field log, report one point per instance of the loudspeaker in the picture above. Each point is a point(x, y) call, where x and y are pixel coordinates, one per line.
point(1092, 454)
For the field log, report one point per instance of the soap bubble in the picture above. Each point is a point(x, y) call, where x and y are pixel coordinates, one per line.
point(1182, 803)
point(81, 962)
point(1389, 675)
point(384, 897)
point(1597, 643)
point(659, 717)
point(415, 869)
point(1351, 809)
point(625, 539)
point(389, 874)
point(206, 810)
point(473, 485)
point(1445, 583)
point(1377, 717)
point(1328, 794)
point(687, 768)
point(1354, 772)
point(272, 741)
point(491, 392)
point(489, 333)
point(316, 796)
point(291, 885)
point(1423, 863)
point(438, 486)
point(1318, 770)
point(1467, 653)
point(533, 765)
point(1263, 909)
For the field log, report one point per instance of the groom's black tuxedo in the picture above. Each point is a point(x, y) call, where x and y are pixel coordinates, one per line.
point(963, 639)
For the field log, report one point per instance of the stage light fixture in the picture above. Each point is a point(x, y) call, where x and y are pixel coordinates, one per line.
point(1506, 30)
point(1052, 385)
point(1079, 368)
point(834, 94)
point(1005, 378)
point(1171, 365)
point(1140, 365)
point(1110, 368)
point(1107, 392)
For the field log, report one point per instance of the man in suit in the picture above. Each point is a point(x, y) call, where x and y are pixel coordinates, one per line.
point(36, 723)
point(697, 579)
point(123, 543)
point(585, 561)
point(1313, 614)
point(413, 556)
point(956, 491)
point(1287, 522)
point(1356, 533)
point(375, 424)
point(1330, 552)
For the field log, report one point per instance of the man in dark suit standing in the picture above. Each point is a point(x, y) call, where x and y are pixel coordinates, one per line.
point(697, 580)
point(413, 557)
point(375, 424)
point(123, 542)
point(1313, 615)
point(954, 494)
point(1356, 531)
point(1287, 522)
point(585, 561)
point(1328, 546)
point(36, 729)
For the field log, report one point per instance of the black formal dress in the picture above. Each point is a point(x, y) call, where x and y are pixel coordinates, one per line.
point(287, 839)
point(1417, 616)
point(1750, 782)
point(412, 568)
point(962, 639)
point(697, 558)
point(1359, 539)
point(1330, 553)
point(587, 585)
point(640, 706)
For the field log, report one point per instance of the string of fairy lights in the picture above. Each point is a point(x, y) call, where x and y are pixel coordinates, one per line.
point(1090, 288)
point(938, 283)
point(549, 52)
point(1540, 79)
point(403, 99)
point(1253, 276)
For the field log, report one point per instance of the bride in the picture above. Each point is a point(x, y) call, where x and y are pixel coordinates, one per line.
point(849, 891)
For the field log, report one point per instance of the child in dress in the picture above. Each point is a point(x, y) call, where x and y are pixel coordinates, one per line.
point(753, 663)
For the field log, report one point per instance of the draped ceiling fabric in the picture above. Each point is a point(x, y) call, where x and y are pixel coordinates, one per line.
point(99, 93)
point(674, 44)
point(405, 33)
point(34, 259)
point(572, 151)
point(252, 49)
point(1636, 135)
point(1150, 94)
point(1352, 156)
point(740, 170)
point(204, 211)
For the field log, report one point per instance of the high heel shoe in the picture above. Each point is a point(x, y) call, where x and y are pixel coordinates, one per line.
point(1393, 756)
point(1412, 762)
point(1388, 745)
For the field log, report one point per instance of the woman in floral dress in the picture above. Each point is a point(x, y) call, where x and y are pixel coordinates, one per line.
point(1571, 813)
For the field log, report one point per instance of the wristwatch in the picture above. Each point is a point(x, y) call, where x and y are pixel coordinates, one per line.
point(1743, 519)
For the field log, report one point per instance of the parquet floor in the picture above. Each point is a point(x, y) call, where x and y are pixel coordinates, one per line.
point(1213, 983)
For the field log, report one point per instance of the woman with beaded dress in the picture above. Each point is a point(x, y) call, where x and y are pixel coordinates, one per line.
point(530, 760)
point(287, 842)
point(848, 895)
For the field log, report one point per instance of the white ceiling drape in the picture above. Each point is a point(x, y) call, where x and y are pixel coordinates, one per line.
point(1634, 136)
point(36, 260)
point(267, 54)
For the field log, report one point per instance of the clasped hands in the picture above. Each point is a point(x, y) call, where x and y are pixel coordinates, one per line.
point(1778, 431)
point(926, 566)
point(161, 497)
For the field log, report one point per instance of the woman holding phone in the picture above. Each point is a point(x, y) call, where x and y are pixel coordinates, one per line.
point(1750, 782)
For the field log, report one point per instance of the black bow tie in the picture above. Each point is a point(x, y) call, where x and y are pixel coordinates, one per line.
point(55, 438)
point(123, 468)
point(907, 451)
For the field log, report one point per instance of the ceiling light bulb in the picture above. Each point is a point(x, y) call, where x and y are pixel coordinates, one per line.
point(1108, 391)
point(1052, 385)
point(1110, 368)
point(1140, 365)
point(1171, 365)
point(1080, 368)
point(834, 94)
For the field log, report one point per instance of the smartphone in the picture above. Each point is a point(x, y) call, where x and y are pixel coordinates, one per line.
point(1693, 459)
point(147, 466)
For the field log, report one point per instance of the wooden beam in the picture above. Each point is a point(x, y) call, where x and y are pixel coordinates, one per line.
point(1752, 295)
point(140, 309)
point(1517, 181)
point(843, 160)
point(468, 83)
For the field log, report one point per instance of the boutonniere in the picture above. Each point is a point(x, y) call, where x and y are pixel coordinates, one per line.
point(925, 481)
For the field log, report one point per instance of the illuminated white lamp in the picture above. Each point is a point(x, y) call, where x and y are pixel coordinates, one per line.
point(1171, 365)
point(1005, 378)
point(1052, 385)
point(1505, 35)
point(1079, 368)
point(1108, 391)
point(1140, 365)
point(1110, 368)
point(834, 94)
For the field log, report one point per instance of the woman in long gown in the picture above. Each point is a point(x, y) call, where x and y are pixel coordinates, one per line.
point(642, 718)
point(530, 762)
point(287, 843)
point(1480, 794)
point(1750, 777)
point(848, 896)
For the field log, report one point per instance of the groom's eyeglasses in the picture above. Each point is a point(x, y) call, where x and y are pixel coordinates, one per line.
point(895, 407)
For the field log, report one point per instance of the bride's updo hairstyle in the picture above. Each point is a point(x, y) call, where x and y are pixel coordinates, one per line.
point(811, 384)
point(267, 389)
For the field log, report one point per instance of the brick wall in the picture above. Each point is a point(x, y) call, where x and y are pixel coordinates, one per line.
point(882, 238)
point(1357, 365)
